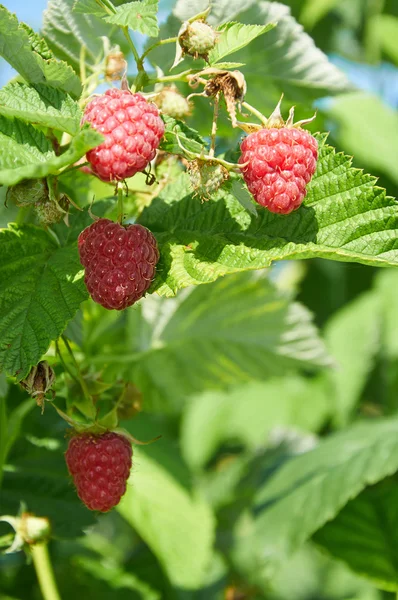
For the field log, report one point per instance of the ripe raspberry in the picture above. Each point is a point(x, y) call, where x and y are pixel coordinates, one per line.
point(100, 466)
point(172, 103)
point(281, 161)
point(197, 39)
point(120, 262)
point(132, 129)
point(206, 177)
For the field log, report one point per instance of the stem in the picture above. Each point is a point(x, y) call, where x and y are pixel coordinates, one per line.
point(130, 42)
point(156, 44)
point(255, 112)
point(214, 126)
point(120, 205)
point(78, 372)
point(44, 572)
point(179, 77)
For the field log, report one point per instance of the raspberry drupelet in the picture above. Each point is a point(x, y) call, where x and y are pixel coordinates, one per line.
point(100, 466)
point(132, 128)
point(120, 262)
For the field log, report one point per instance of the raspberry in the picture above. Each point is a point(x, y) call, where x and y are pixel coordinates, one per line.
point(281, 162)
point(197, 39)
point(120, 262)
point(100, 466)
point(132, 129)
point(206, 177)
point(172, 103)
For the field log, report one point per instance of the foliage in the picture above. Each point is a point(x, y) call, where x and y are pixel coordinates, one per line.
point(271, 380)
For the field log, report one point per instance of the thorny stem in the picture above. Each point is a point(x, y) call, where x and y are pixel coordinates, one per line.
point(160, 43)
point(214, 126)
point(78, 372)
point(255, 112)
point(44, 571)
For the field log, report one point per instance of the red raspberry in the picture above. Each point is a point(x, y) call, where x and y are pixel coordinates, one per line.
point(100, 466)
point(132, 129)
point(120, 262)
point(281, 161)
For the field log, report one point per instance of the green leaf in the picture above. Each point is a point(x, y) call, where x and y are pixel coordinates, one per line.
point(360, 118)
point(353, 339)
point(213, 337)
point(177, 130)
point(286, 59)
point(20, 50)
point(248, 413)
point(41, 289)
point(170, 521)
point(25, 153)
point(89, 7)
point(384, 30)
point(234, 37)
point(67, 32)
point(39, 478)
point(310, 489)
point(139, 16)
point(314, 10)
point(365, 535)
point(42, 105)
point(116, 577)
point(344, 217)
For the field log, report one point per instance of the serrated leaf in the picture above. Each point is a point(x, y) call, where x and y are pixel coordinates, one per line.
point(170, 521)
point(42, 105)
point(364, 535)
point(89, 7)
point(229, 65)
point(26, 154)
point(139, 16)
point(234, 37)
point(177, 130)
point(344, 217)
point(313, 487)
point(286, 59)
point(213, 337)
point(67, 31)
point(19, 47)
point(41, 289)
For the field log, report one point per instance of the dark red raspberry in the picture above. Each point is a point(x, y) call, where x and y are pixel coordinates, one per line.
point(120, 262)
point(132, 129)
point(100, 466)
point(281, 161)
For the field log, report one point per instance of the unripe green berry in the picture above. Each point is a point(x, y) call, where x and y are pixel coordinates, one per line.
point(206, 177)
point(198, 39)
point(172, 103)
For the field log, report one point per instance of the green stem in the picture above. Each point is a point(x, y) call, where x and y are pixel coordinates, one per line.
point(78, 372)
point(130, 42)
point(255, 112)
point(179, 77)
point(44, 572)
point(120, 215)
point(160, 43)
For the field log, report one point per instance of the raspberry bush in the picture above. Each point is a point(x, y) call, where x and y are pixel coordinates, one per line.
point(162, 181)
